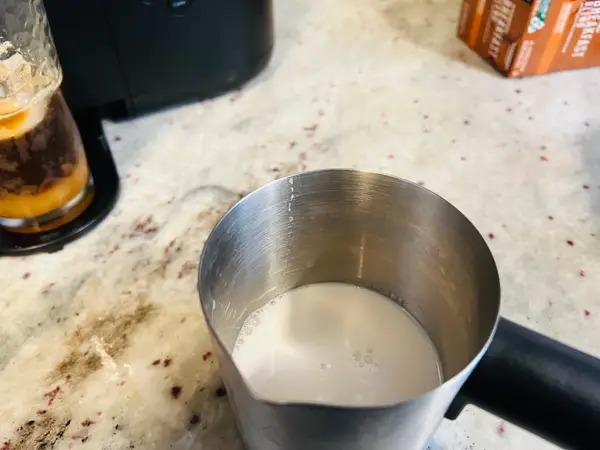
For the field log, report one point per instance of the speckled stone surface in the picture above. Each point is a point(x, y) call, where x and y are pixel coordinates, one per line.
point(103, 346)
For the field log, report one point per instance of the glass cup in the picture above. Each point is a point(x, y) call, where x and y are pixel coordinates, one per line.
point(45, 180)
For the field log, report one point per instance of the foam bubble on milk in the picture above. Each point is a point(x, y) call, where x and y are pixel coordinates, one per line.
point(335, 343)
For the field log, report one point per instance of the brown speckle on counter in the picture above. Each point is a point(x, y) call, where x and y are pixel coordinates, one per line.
point(543, 158)
point(26, 275)
point(47, 288)
point(145, 226)
point(195, 419)
point(550, 217)
point(141, 226)
point(311, 129)
point(491, 235)
point(587, 313)
point(500, 429)
point(221, 391)
point(156, 362)
point(167, 362)
point(206, 356)
point(51, 395)
point(87, 423)
point(186, 268)
point(586, 186)
point(582, 273)
point(176, 391)
point(170, 245)
point(466, 122)
point(570, 243)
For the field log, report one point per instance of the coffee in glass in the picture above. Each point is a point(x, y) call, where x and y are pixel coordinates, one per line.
point(44, 176)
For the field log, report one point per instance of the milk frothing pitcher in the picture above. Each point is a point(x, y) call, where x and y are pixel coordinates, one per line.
point(403, 241)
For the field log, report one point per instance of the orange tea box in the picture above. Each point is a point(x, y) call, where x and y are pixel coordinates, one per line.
point(525, 37)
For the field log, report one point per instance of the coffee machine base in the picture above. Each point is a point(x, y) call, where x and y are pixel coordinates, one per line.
point(106, 192)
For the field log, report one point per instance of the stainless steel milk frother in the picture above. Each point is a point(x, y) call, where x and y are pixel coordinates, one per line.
point(406, 242)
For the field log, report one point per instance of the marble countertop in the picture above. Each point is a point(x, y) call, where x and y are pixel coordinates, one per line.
point(103, 345)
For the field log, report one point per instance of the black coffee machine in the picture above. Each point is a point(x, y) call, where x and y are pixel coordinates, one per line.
point(121, 58)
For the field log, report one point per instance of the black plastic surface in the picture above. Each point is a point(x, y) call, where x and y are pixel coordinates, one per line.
point(93, 76)
point(106, 182)
point(192, 51)
point(538, 384)
point(144, 54)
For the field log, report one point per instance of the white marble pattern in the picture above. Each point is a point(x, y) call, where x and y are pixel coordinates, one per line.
point(379, 85)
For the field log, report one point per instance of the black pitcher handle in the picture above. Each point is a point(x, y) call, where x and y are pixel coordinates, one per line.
point(538, 384)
